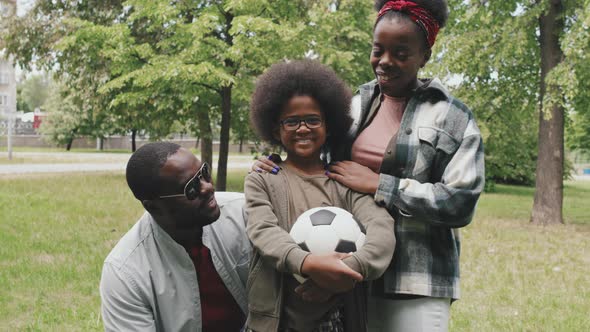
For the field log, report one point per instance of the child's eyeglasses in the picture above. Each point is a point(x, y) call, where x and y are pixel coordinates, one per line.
point(192, 189)
point(292, 124)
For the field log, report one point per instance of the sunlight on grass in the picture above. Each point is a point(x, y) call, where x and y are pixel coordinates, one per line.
point(56, 231)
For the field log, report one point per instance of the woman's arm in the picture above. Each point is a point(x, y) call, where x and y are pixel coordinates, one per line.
point(450, 202)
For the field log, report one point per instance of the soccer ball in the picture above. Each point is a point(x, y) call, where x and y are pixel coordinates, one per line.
point(323, 230)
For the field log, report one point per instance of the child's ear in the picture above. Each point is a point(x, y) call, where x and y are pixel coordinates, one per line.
point(276, 133)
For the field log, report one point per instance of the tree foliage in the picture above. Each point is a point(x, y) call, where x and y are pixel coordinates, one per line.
point(574, 75)
point(146, 66)
point(34, 91)
point(493, 46)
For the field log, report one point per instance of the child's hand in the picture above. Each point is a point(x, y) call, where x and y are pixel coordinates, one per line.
point(267, 164)
point(311, 292)
point(329, 272)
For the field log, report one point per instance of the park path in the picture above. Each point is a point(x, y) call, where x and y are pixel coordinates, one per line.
point(65, 162)
point(69, 162)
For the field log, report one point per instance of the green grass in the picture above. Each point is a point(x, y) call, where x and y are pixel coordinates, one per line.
point(55, 233)
point(56, 230)
point(520, 277)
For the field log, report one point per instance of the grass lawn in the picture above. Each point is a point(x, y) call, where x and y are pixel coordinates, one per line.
point(56, 230)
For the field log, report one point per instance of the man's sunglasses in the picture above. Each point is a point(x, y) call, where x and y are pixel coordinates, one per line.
point(192, 189)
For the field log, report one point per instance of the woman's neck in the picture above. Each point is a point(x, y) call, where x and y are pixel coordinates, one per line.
point(407, 92)
point(306, 166)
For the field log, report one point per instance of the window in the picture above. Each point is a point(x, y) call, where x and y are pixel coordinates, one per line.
point(3, 100)
point(4, 79)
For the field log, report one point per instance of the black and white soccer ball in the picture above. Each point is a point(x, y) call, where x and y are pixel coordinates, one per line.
point(324, 230)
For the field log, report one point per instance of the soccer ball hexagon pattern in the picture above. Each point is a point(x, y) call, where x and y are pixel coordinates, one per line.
point(323, 230)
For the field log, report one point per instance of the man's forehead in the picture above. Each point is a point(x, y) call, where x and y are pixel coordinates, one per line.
point(181, 166)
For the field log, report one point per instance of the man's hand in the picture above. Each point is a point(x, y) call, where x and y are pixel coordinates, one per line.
point(311, 292)
point(330, 272)
point(355, 176)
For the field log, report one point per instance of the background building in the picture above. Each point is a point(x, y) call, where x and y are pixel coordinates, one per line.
point(7, 72)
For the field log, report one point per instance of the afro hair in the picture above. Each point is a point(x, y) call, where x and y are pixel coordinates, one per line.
point(284, 80)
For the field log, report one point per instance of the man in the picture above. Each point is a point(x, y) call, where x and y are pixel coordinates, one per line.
point(183, 266)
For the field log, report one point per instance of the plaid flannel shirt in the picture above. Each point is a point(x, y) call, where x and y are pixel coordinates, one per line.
point(430, 180)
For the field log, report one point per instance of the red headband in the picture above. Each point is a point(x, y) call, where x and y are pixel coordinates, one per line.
point(418, 14)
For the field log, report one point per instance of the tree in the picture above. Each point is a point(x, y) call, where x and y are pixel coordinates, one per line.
point(21, 104)
point(44, 38)
point(548, 203)
point(210, 48)
point(573, 73)
point(508, 56)
point(143, 65)
point(35, 90)
point(341, 37)
point(63, 120)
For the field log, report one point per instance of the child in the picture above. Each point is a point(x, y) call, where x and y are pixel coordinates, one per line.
point(304, 107)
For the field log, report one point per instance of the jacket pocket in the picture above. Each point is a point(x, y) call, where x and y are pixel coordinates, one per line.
point(436, 146)
point(263, 288)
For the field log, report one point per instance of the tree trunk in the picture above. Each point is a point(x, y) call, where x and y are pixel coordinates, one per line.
point(133, 134)
point(100, 143)
point(206, 136)
point(224, 138)
point(71, 139)
point(547, 207)
point(241, 144)
point(69, 144)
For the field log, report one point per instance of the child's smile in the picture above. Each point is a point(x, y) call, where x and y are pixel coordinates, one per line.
point(302, 130)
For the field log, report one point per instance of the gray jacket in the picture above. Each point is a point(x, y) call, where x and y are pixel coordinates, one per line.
point(149, 281)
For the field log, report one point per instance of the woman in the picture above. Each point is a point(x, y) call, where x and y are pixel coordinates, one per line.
point(419, 152)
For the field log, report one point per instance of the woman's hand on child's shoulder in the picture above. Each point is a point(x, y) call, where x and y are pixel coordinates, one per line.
point(267, 164)
point(355, 176)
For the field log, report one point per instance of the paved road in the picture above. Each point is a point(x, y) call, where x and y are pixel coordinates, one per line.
point(96, 162)
point(87, 162)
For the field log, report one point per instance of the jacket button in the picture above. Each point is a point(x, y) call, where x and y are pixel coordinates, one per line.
point(409, 131)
